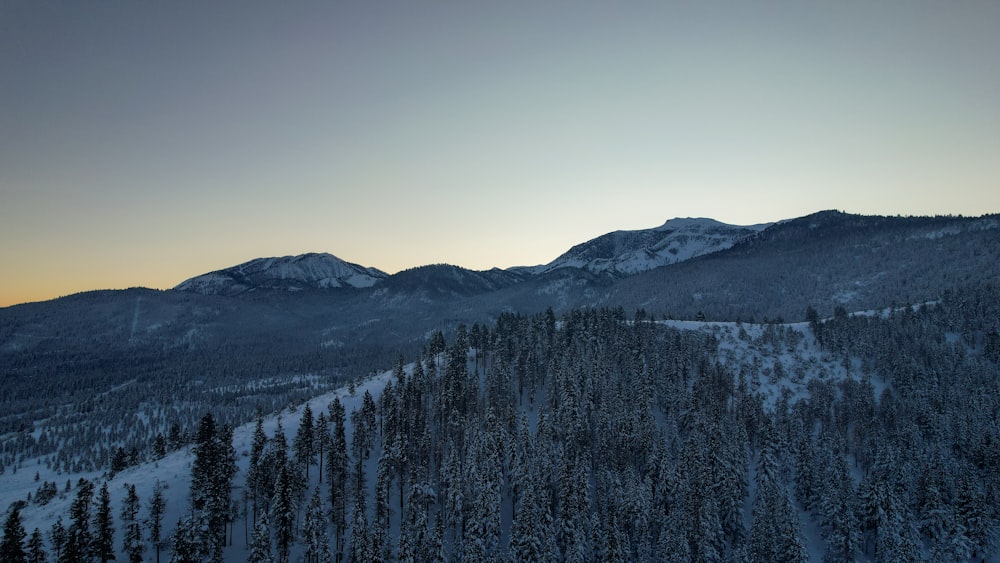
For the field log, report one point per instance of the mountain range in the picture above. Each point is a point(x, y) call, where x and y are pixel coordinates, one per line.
point(318, 312)
point(616, 254)
point(113, 386)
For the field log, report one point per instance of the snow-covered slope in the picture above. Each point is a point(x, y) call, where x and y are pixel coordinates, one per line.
point(174, 473)
point(288, 272)
point(630, 252)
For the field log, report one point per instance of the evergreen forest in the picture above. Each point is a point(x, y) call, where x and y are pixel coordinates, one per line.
point(596, 435)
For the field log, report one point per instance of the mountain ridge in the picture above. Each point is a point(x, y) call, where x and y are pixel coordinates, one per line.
point(824, 261)
point(624, 253)
point(315, 270)
point(617, 254)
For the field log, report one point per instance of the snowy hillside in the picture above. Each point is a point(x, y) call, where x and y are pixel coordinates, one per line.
point(291, 273)
point(610, 438)
point(173, 472)
point(631, 252)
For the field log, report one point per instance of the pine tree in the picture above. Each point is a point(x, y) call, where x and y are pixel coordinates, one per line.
point(573, 496)
point(260, 550)
point(255, 472)
point(78, 536)
point(337, 469)
point(708, 541)
point(36, 548)
point(454, 496)
point(774, 534)
point(314, 531)
point(211, 486)
point(132, 543)
point(894, 542)
point(157, 506)
point(483, 531)
point(414, 536)
point(283, 510)
point(12, 548)
point(304, 442)
point(321, 437)
point(186, 547)
point(973, 512)
point(203, 470)
point(57, 536)
point(791, 546)
point(531, 537)
point(380, 542)
point(360, 540)
point(103, 546)
point(841, 526)
point(673, 545)
point(368, 415)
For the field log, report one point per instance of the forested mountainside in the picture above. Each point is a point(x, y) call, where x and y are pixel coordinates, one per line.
point(825, 260)
point(623, 253)
point(594, 435)
point(151, 360)
point(94, 372)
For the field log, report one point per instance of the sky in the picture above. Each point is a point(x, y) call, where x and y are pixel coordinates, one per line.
point(143, 143)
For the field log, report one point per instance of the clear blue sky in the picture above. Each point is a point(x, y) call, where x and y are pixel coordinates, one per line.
point(142, 143)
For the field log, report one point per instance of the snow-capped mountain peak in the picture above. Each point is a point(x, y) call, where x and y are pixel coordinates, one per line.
point(630, 252)
point(314, 270)
point(690, 223)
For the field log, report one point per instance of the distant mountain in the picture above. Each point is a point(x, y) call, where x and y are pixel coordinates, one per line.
point(615, 255)
point(440, 280)
point(826, 260)
point(292, 273)
point(625, 253)
point(290, 312)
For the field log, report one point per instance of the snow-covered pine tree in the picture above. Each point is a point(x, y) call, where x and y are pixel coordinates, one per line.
point(321, 436)
point(78, 536)
point(359, 547)
point(337, 470)
point(260, 549)
point(790, 543)
point(709, 538)
point(763, 531)
point(414, 535)
point(531, 534)
point(185, 543)
point(132, 543)
point(368, 423)
point(154, 520)
point(57, 538)
point(36, 548)
point(673, 544)
point(255, 472)
point(211, 486)
point(973, 511)
point(314, 531)
point(838, 504)
point(283, 513)
point(451, 486)
point(303, 444)
point(381, 543)
point(12, 548)
point(895, 539)
point(103, 545)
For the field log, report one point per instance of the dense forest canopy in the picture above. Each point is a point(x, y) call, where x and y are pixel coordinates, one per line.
point(596, 435)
